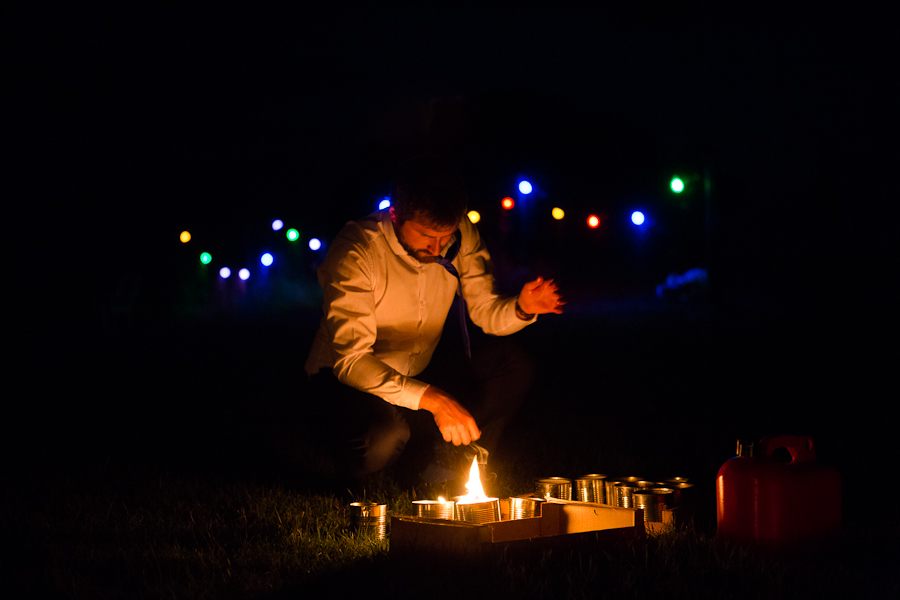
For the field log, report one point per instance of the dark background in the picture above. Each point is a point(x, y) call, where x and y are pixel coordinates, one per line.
point(129, 125)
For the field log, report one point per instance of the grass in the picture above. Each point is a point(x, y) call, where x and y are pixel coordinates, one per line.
point(207, 486)
point(115, 534)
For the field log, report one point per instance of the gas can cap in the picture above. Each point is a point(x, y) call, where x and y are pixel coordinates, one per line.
point(745, 447)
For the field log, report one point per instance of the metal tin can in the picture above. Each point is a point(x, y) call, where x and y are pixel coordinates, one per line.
point(369, 518)
point(625, 494)
point(553, 487)
point(524, 508)
point(590, 488)
point(611, 491)
point(435, 509)
point(479, 512)
point(645, 499)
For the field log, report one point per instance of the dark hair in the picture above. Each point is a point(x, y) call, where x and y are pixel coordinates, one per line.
point(428, 191)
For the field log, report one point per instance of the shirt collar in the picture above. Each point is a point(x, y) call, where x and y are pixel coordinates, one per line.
point(390, 235)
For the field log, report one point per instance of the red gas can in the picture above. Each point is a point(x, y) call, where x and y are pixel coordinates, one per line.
point(764, 502)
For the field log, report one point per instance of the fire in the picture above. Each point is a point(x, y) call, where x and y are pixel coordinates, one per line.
point(474, 487)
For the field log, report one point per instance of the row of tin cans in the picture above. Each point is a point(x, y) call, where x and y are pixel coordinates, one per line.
point(651, 495)
point(520, 507)
point(371, 519)
point(474, 512)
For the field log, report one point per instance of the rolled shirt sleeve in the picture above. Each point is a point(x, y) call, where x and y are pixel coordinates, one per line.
point(494, 314)
point(383, 311)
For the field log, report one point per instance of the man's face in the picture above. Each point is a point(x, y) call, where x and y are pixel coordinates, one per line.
point(421, 242)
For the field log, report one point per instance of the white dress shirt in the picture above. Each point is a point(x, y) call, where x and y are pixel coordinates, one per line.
point(384, 311)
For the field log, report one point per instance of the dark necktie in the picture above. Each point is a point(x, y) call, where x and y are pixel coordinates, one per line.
point(446, 262)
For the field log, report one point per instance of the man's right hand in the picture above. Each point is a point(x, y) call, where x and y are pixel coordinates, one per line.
point(454, 421)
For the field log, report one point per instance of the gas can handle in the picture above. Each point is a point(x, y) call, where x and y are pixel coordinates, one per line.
point(800, 447)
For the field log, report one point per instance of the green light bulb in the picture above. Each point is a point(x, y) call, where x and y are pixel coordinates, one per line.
point(677, 185)
point(206, 258)
point(293, 235)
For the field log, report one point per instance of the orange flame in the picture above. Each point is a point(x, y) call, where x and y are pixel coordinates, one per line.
point(474, 488)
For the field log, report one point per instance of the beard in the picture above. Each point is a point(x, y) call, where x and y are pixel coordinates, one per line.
point(420, 255)
point(425, 259)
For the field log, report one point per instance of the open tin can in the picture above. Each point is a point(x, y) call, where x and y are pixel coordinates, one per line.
point(369, 518)
point(553, 487)
point(525, 507)
point(435, 509)
point(591, 488)
point(479, 513)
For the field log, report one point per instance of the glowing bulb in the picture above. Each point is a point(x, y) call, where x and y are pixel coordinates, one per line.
point(315, 244)
point(677, 185)
point(558, 213)
point(637, 217)
point(507, 203)
point(293, 235)
point(593, 221)
point(525, 187)
point(267, 260)
point(185, 237)
point(474, 216)
point(244, 274)
point(277, 224)
point(224, 272)
point(206, 258)
point(384, 203)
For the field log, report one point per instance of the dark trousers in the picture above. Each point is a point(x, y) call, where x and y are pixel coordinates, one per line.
point(369, 434)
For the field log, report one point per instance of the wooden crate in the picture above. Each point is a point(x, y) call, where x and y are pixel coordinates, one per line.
point(558, 518)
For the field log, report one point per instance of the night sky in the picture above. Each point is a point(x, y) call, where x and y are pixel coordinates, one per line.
point(131, 124)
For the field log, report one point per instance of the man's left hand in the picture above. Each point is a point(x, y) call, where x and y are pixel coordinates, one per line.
point(540, 297)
